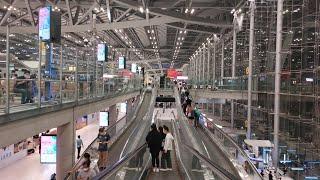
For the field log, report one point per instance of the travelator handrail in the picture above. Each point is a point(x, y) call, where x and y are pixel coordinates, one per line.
point(109, 128)
point(183, 124)
point(212, 166)
point(255, 171)
point(106, 173)
point(230, 140)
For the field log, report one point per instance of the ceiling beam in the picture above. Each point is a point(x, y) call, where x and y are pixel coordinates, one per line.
point(69, 12)
point(99, 27)
point(30, 12)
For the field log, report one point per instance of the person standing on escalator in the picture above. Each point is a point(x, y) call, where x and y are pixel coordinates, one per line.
point(154, 142)
point(168, 147)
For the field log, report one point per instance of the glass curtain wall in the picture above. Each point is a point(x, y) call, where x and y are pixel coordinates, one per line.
point(300, 83)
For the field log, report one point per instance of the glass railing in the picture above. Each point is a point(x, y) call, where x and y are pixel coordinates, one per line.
point(115, 131)
point(35, 94)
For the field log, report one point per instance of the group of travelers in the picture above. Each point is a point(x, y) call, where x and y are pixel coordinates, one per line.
point(25, 85)
point(189, 109)
point(85, 168)
point(160, 141)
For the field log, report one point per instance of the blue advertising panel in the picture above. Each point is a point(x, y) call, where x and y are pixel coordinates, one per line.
point(104, 118)
point(102, 52)
point(122, 62)
point(48, 151)
point(44, 23)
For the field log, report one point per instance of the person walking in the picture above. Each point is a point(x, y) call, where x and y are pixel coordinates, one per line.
point(168, 147)
point(79, 145)
point(154, 142)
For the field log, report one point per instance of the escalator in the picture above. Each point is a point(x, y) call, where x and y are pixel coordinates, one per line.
point(121, 135)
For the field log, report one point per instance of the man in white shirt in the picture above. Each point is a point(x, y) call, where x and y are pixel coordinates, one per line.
point(79, 144)
point(168, 147)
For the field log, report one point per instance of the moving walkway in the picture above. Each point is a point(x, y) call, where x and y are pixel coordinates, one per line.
point(122, 134)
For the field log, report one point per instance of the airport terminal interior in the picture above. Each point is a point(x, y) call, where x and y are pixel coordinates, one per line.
point(159, 89)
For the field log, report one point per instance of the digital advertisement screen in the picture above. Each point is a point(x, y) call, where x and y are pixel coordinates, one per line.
point(122, 62)
point(102, 52)
point(44, 23)
point(48, 151)
point(104, 118)
point(134, 68)
point(123, 107)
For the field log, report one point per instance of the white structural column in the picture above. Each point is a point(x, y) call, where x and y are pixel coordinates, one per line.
point(222, 61)
point(277, 83)
point(251, 44)
point(214, 70)
point(214, 63)
point(198, 67)
point(234, 55)
point(208, 63)
point(222, 72)
point(203, 64)
point(65, 149)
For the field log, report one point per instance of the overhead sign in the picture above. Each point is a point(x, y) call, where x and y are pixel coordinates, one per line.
point(102, 52)
point(133, 67)
point(122, 63)
point(48, 153)
point(172, 73)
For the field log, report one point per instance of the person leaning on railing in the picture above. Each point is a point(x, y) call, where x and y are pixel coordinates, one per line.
point(20, 86)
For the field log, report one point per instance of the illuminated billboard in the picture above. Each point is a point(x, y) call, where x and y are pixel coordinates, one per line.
point(45, 23)
point(48, 153)
point(122, 62)
point(133, 68)
point(102, 52)
point(104, 118)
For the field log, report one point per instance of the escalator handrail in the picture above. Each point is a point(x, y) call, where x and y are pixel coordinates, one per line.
point(107, 130)
point(211, 164)
point(238, 148)
point(115, 167)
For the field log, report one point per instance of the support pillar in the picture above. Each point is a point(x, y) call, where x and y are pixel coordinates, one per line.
point(208, 63)
point(203, 65)
point(232, 113)
point(251, 44)
point(129, 106)
point(221, 111)
point(222, 62)
point(113, 115)
point(214, 63)
point(277, 83)
point(234, 54)
point(65, 149)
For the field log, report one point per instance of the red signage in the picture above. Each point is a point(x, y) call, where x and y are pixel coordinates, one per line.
point(172, 73)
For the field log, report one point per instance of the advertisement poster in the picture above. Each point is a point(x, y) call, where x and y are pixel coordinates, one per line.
point(133, 68)
point(44, 23)
point(123, 107)
point(102, 52)
point(104, 118)
point(48, 149)
point(122, 63)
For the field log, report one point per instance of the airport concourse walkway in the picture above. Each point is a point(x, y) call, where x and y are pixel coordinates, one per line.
point(30, 168)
